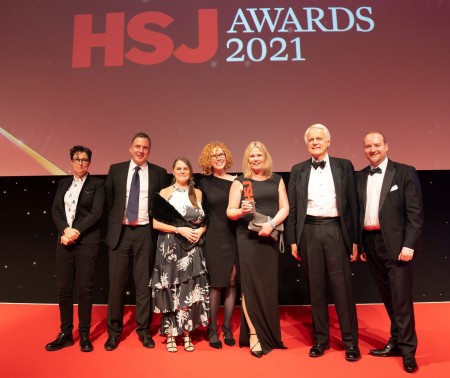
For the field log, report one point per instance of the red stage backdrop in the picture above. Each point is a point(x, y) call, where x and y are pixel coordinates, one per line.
point(189, 72)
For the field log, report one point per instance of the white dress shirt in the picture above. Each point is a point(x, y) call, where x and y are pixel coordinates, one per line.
point(321, 192)
point(374, 183)
point(71, 198)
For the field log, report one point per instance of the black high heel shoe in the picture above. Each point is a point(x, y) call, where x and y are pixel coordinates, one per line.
point(230, 341)
point(214, 344)
point(255, 353)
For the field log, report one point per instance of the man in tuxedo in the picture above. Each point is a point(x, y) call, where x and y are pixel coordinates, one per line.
point(130, 187)
point(391, 219)
point(322, 231)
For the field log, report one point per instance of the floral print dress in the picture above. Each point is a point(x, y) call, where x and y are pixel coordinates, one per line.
point(180, 286)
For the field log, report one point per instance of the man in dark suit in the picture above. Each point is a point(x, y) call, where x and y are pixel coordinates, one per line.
point(322, 223)
point(130, 187)
point(76, 212)
point(391, 219)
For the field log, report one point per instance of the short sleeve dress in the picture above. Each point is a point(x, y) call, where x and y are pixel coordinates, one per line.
point(180, 286)
point(220, 241)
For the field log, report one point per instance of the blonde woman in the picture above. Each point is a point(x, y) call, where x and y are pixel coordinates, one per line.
point(261, 190)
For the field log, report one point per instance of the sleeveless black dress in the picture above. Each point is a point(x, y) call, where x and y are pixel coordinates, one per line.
point(258, 262)
point(220, 241)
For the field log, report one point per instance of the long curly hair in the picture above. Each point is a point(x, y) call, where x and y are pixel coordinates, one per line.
point(204, 160)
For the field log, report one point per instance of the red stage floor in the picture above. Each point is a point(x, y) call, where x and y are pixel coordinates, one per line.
point(25, 329)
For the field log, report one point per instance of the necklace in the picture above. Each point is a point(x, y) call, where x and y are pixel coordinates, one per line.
point(178, 189)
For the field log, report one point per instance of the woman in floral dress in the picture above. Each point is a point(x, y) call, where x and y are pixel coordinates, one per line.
point(180, 287)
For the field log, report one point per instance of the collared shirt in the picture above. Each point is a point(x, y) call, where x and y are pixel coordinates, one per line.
point(143, 216)
point(321, 192)
point(71, 198)
point(374, 183)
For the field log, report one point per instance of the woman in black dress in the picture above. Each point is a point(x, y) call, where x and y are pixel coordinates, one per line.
point(220, 244)
point(258, 188)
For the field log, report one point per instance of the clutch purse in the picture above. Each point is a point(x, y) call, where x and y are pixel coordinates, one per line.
point(276, 234)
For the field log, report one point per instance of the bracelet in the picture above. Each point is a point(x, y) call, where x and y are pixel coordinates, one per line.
point(272, 223)
point(176, 230)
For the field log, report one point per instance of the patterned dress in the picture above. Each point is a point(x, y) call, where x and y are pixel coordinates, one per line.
point(180, 287)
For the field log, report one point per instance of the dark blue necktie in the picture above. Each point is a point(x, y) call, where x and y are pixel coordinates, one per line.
point(133, 198)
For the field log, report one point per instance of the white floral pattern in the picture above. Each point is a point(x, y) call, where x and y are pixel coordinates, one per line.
point(180, 287)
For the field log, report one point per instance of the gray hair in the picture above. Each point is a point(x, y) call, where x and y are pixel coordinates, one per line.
point(320, 127)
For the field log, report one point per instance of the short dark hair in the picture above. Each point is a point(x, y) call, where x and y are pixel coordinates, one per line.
point(76, 149)
point(141, 134)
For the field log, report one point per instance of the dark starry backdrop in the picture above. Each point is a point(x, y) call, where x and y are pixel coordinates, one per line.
point(28, 240)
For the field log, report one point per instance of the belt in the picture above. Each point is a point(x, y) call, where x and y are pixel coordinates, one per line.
point(310, 219)
point(372, 228)
point(135, 225)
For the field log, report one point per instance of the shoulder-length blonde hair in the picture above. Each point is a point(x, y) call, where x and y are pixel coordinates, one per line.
point(204, 160)
point(267, 166)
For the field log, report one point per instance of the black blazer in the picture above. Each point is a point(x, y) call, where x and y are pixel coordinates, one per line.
point(89, 210)
point(116, 188)
point(400, 209)
point(344, 184)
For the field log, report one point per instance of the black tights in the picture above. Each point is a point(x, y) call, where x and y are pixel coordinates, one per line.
point(228, 304)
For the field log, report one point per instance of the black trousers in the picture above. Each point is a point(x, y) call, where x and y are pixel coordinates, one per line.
point(325, 258)
point(76, 263)
point(134, 249)
point(394, 281)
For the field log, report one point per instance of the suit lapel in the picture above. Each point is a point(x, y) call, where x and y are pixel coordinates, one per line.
point(83, 188)
point(304, 178)
point(337, 174)
point(363, 187)
point(151, 183)
point(65, 188)
point(387, 183)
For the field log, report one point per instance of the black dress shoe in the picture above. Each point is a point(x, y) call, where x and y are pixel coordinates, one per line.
point(230, 341)
point(112, 343)
point(390, 350)
point(352, 354)
point(318, 350)
point(63, 340)
point(212, 334)
point(147, 341)
point(409, 363)
point(85, 343)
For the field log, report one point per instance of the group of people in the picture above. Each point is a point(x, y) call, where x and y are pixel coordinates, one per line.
point(191, 244)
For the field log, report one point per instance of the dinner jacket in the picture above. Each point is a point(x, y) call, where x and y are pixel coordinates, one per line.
point(91, 202)
point(400, 209)
point(344, 183)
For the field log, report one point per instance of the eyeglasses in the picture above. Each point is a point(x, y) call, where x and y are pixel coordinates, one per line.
point(81, 161)
point(218, 156)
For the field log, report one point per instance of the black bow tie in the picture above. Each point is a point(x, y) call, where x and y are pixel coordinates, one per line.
point(372, 171)
point(320, 164)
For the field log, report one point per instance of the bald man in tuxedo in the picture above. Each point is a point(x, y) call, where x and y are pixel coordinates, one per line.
point(390, 221)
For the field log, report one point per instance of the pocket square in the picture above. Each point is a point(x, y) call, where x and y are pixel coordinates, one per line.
point(395, 187)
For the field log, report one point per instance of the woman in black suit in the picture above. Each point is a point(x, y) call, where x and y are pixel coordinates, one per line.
point(76, 212)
